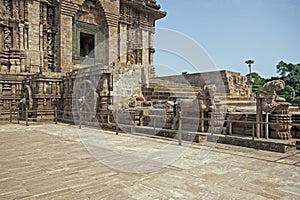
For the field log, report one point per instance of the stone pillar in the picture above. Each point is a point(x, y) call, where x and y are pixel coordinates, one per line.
point(1, 87)
point(151, 55)
point(112, 37)
point(58, 88)
point(112, 44)
point(123, 43)
point(41, 87)
point(146, 45)
point(34, 36)
point(1, 37)
point(34, 25)
point(66, 43)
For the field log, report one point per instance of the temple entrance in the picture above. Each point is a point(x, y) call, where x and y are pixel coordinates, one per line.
point(87, 49)
point(87, 45)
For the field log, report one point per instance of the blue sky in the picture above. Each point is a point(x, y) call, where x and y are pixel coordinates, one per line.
point(232, 31)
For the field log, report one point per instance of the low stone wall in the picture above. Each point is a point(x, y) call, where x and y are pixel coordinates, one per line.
point(256, 144)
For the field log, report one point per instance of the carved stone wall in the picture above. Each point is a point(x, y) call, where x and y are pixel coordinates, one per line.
point(28, 40)
point(88, 89)
point(10, 91)
point(41, 93)
point(228, 82)
point(40, 42)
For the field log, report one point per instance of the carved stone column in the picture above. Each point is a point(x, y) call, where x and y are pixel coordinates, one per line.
point(41, 87)
point(112, 37)
point(66, 43)
point(146, 45)
point(123, 43)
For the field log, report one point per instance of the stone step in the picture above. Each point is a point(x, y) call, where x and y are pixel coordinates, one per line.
point(170, 84)
point(175, 90)
point(174, 87)
point(238, 103)
point(233, 98)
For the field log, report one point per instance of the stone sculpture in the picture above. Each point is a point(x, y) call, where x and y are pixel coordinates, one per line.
point(206, 98)
point(138, 100)
point(270, 100)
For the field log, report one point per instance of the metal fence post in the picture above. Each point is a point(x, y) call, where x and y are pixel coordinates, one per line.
point(80, 114)
point(26, 116)
point(179, 128)
point(253, 131)
point(117, 126)
point(55, 115)
point(18, 116)
point(154, 124)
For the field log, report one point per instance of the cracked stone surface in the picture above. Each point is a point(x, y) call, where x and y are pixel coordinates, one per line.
point(53, 162)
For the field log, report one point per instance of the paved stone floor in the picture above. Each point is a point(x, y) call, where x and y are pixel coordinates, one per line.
point(60, 162)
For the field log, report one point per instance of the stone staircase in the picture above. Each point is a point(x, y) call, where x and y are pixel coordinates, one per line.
point(237, 104)
point(165, 90)
point(160, 91)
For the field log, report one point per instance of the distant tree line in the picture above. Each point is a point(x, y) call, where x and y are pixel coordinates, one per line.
point(288, 72)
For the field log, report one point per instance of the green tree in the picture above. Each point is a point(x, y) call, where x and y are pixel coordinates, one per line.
point(290, 73)
point(249, 63)
point(258, 82)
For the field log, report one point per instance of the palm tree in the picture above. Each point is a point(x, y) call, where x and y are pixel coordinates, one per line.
point(249, 63)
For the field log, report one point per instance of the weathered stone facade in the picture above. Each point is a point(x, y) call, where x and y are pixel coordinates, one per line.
point(43, 42)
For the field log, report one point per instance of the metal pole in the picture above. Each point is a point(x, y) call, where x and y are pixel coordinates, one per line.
point(267, 125)
point(202, 121)
point(80, 114)
point(230, 128)
point(26, 116)
point(55, 115)
point(18, 116)
point(253, 131)
point(154, 124)
point(179, 128)
point(117, 126)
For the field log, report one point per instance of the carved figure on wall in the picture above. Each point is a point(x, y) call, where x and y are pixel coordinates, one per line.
point(103, 85)
point(7, 38)
point(16, 10)
point(51, 13)
point(137, 99)
point(270, 100)
point(206, 98)
point(7, 8)
point(4, 69)
point(27, 100)
point(86, 99)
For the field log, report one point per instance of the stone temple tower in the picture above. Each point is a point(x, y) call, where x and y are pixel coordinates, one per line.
point(41, 41)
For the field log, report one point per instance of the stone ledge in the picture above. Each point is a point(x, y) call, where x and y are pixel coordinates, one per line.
point(257, 144)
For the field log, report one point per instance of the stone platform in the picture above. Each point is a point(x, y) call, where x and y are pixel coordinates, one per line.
point(51, 162)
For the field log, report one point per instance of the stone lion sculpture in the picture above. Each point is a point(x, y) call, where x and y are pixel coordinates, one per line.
point(270, 100)
point(206, 98)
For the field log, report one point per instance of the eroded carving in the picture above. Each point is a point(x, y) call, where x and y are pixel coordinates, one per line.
point(270, 99)
point(206, 98)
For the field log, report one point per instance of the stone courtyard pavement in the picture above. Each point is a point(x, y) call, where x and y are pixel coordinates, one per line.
point(60, 162)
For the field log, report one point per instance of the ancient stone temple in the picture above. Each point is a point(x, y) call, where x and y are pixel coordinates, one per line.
point(45, 44)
